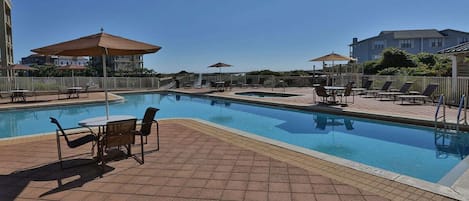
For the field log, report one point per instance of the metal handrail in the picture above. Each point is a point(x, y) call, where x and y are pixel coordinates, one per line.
point(462, 107)
point(441, 103)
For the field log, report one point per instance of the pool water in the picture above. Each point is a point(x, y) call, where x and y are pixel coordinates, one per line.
point(264, 94)
point(409, 150)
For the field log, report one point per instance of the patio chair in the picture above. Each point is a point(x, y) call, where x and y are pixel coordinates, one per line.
point(145, 128)
point(347, 92)
point(119, 133)
point(403, 90)
point(365, 86)
point(86, 90)
point(321, 92)
point(72, 143)
point(427, 93)
point(384, 88)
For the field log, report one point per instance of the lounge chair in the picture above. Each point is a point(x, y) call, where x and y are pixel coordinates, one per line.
point(145, 128)
point(427, 93)
point(71, 143)
point(403, 90)
point(384, 88)
point(119, 133)
point(366, 86)
point(321, 92)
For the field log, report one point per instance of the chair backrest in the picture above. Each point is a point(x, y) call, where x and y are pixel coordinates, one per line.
point(430, 89)
point(386, 86)
point(59, 127)
point(367, 84)
point(405, 87)
point(348, 89)
point(120, 132)
point(147, 121)
point(321, 91)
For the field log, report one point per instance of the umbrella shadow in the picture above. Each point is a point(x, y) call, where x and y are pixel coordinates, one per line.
point(52, 172)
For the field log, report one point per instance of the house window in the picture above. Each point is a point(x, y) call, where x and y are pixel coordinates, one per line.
point(405, 43)
point(379, 44)
point(463, 40)
point(436, 42)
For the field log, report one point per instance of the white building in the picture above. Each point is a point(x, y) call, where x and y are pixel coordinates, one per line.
point(69, 60)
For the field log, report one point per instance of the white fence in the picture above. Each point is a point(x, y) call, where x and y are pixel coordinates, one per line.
point(452, 93)
point(54, 83)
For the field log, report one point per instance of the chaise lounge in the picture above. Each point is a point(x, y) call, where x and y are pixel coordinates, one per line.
point(403, 90)
point(427, 93)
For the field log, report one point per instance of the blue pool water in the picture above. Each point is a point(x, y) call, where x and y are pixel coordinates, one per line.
point(408, 150)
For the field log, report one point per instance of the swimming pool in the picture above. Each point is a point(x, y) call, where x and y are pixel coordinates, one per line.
point(404, 149)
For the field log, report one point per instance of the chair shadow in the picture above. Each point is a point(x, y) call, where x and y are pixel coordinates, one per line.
point(52, 172)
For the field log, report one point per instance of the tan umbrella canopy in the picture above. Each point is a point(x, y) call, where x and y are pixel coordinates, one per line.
point(219, 65)
point(72, 67)
point(330, 57)
point(100, 44)
point(18, 67)
point(15, 67)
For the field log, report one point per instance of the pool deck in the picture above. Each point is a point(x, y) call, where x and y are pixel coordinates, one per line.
point(201, 161)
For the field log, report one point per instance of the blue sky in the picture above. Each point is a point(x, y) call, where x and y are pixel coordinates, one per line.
point(249, 34)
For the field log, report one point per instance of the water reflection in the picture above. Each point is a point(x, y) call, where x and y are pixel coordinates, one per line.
point(456, 144)
point(323, 121)
point(220, 116)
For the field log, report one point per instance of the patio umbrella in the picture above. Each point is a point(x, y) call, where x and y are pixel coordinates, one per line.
point(19, 67)
point(72, 67)
point(331, 57)
point(219, 65)
point(100, 44)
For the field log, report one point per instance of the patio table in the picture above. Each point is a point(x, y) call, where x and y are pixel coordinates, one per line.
point(74, 91)
point(220, 86)
point(334, 90)
point(101, 122)
point(18, 95)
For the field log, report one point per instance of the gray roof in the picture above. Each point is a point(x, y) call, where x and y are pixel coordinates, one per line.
point(461, 48)
point(424, 33)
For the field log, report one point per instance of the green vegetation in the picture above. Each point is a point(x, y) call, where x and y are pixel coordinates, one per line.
point(398, 62)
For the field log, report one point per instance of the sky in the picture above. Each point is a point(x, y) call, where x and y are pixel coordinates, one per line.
point(279, 35)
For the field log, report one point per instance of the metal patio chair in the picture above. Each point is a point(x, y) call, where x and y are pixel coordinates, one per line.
point(60, 132)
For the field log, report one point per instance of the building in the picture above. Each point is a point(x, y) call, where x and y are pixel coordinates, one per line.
point(411, 41)
point(56, 60)
point(6, 42)
point(129, 63)
point(69, 60)
point(36, 59)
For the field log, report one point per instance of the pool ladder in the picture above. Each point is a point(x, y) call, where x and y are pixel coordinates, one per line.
point(461, 118)
point(444, 132)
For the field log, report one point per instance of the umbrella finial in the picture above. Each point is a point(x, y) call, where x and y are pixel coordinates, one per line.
point(102, 29)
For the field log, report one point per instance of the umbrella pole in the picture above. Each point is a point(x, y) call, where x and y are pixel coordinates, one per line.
point(105, 86)
point(73, 80)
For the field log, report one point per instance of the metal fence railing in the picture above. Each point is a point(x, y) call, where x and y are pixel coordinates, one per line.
point(446, 87)
point(96, 83)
